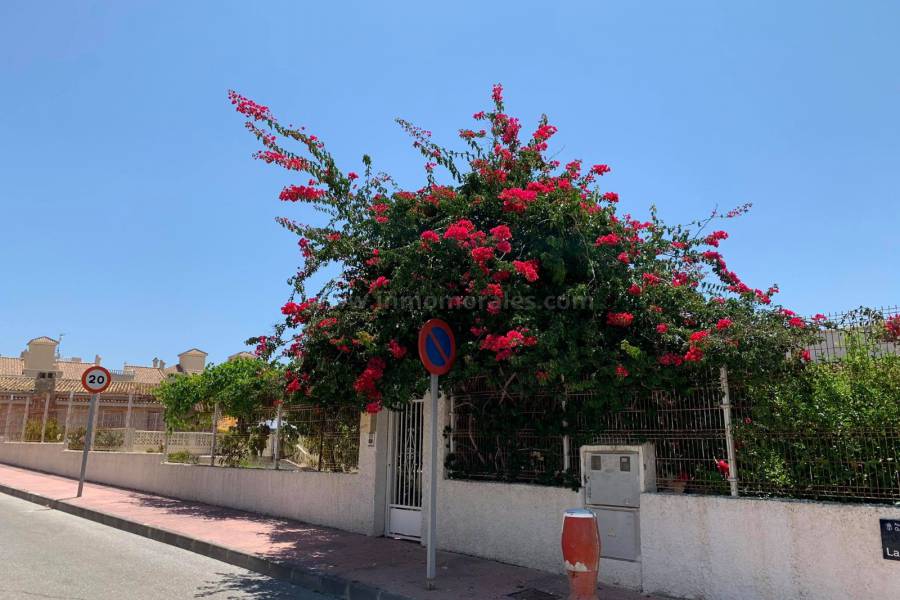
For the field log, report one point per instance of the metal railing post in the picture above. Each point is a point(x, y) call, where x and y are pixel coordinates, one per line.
point(68, 419)
point(44, 417)
point(729, 434)
point(8, 418)
point(25, 417)
point(277, 445)
point(215, 428)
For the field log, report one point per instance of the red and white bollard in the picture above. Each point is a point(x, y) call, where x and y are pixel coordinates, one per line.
point(581, 553)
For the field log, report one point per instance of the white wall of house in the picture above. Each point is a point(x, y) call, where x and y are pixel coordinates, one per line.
point(753, 549)
point(341, 500)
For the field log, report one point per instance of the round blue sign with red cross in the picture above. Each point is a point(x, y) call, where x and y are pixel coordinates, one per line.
point(437, 347)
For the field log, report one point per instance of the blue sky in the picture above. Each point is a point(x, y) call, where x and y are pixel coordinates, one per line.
point(135, 221)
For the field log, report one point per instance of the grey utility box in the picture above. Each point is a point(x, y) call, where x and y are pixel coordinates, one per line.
point(614, 476)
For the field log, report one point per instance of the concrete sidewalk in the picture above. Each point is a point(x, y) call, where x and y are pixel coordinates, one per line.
point(335, 562)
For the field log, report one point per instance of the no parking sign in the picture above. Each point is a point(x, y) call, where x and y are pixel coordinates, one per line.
point(437, 351)
point(437, 347)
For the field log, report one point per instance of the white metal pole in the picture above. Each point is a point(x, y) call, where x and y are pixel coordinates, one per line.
point(277, 444)
point(8, 417)
point(25, 417)
point(44, 417)
point(68, 417)
point(431, 566)
point(729, 436)
point(215, 425)
point(87, 442)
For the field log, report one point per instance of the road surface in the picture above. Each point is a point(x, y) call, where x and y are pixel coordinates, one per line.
point(47, 554)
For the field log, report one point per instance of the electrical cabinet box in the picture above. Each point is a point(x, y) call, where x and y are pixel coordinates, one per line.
point(620, 533)
point(613, 479)
point(614, 476)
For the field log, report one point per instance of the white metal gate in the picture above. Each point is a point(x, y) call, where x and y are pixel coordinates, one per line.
point(404, 518)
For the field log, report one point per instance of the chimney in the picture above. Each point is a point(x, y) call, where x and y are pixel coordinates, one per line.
point(97, 359)
point(40, 357)
point(155, 363)
point(162, 364)
point(192, 361)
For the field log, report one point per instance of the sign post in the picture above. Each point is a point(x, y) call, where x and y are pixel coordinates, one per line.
point(437, 351)
point(95, 380)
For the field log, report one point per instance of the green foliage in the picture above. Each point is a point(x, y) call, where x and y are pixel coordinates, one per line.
point(75, 438)
point(545, 283)
point(826, 427)
point(233, 450)
point(52, 433)
point(182, 456)
point(108, 440)
point(238, 386)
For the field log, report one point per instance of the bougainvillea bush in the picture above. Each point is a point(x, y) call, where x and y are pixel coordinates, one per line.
point(545, 282)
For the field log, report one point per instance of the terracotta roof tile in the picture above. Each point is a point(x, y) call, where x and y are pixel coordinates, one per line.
point(71, 369)
point(10, 365)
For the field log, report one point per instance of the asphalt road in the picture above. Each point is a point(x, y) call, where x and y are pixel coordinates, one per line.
point(47, 554)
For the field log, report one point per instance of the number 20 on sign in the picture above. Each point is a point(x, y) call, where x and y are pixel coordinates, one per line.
point(95, 380)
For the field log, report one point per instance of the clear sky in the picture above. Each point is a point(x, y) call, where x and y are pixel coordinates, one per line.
point(134, 220)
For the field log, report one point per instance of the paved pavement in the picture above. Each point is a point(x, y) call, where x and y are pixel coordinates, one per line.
point(46, 553)
point(319, 558)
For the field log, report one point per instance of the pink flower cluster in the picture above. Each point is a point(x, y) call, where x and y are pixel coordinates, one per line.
point(503, 346)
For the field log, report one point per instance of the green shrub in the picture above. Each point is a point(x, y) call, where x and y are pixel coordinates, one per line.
point(75, 438)
point(182, 456)
point(52, 432)
point(109, 440)
point(826, 427)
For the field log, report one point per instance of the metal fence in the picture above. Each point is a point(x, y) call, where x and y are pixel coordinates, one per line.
point(507, 439)
point(290, 438)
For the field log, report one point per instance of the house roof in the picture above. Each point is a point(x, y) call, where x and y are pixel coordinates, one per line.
point(43, 340)
point(194, 351)
point(11, 366)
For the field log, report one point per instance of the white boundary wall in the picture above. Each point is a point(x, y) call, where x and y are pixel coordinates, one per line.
point(520, 524)
point(347, 501)
point(752, 549)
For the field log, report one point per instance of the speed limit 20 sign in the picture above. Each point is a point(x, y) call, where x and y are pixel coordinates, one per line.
point(96, 379)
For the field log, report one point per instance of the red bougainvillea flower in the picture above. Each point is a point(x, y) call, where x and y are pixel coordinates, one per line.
point(619, 319)
point(723, 468)
point(715, 237)
point(671, 359)
point(662, 328)
point(366, 383)
point(380, 282)
point(430, 237)
point(459, 231)
point(699, 336)
point(635, 290)
point(623, 258)
point(373, 407)
point(248, 107)
point(600, 169)
point(527, 268)
point(611, 197)
point(650, 279)
point(621, 372)
point(797, 322)
point(805, 356)
point(891, 327)
point(293, 193)
point(396, 350)
point(501, 233)
point(723, 324)
point(516, 199)
point(610, 239)
point(482, 254)
point(694, 354)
